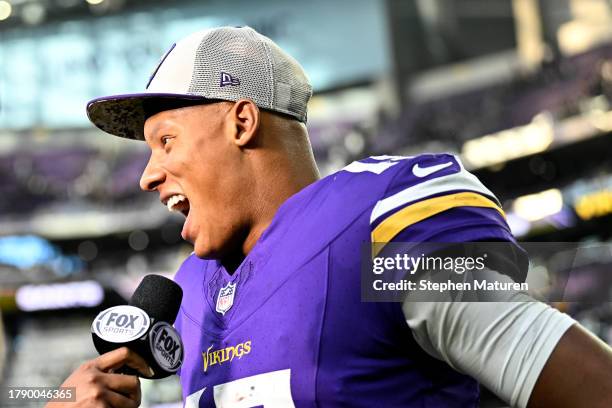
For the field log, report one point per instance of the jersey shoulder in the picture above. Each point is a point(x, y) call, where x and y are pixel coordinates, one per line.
point(430, 196)
point(394, 181)
point(425, 177)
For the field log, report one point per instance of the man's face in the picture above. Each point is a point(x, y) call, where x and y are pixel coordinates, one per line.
point(196, 170)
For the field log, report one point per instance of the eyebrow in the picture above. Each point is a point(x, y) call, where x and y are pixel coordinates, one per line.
point(156, 129)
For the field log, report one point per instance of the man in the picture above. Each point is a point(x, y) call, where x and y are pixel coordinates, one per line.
point(272, 314)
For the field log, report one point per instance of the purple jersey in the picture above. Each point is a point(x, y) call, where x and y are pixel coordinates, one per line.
point(288, 328)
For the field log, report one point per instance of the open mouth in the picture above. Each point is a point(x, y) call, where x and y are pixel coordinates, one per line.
point(178, 203)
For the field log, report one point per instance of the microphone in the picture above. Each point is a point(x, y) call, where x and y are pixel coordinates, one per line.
point(144, 325)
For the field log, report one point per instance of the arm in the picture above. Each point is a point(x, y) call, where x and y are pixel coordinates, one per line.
point(522, 350)
point(577, 374)
point(503, 345)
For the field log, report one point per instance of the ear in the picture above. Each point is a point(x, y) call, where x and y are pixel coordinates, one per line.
point(246, 116)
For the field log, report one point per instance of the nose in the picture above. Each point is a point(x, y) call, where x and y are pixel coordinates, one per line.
point(152, 176)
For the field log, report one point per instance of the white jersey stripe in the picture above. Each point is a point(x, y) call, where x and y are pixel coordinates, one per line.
point(463, 180)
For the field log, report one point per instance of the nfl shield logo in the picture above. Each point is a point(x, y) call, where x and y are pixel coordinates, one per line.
point(225, 300)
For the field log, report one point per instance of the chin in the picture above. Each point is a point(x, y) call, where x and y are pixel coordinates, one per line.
point(215, 244)
point(203, 249)
point(203, 252)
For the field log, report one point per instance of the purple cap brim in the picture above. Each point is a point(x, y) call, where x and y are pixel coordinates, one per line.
point(125, 115)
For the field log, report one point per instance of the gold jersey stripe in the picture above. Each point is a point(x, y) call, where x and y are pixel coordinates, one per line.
point(407, 216)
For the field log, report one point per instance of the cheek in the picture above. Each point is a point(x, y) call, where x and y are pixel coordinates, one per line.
point(204, 184)
point(217, 176)
point(215, 181)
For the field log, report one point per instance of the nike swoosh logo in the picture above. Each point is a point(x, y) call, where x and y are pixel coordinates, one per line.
point(426, 171)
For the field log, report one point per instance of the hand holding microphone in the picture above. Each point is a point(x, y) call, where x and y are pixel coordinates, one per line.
point(136, 339)
point(97, 386)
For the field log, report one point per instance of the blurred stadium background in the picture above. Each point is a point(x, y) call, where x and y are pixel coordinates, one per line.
point(521, 89)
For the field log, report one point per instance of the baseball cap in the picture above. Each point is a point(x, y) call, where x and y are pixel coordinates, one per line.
point(218, 64)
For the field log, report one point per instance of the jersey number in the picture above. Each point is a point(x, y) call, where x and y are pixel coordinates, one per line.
point(268, 390)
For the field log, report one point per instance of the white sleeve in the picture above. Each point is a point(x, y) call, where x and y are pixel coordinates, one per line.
point(503, 345)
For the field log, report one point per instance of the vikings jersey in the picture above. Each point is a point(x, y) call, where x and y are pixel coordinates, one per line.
point(288, 328)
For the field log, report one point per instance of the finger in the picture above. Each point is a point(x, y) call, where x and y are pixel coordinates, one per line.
point(128, 385)
point(117, 400)
point(120, 357)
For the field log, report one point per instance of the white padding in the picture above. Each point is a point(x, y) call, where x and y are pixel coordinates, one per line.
point(503, 345)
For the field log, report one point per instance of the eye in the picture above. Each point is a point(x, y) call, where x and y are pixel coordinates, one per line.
point(165, 140)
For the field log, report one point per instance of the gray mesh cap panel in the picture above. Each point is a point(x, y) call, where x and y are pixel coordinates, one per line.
point(292, 88)
point(235, 63)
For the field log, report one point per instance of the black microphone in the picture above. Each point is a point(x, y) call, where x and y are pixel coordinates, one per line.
point(144, 326)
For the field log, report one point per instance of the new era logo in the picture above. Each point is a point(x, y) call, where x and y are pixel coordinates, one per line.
point(227, 79)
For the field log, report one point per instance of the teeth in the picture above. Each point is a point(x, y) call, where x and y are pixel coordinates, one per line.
point(174, 200)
